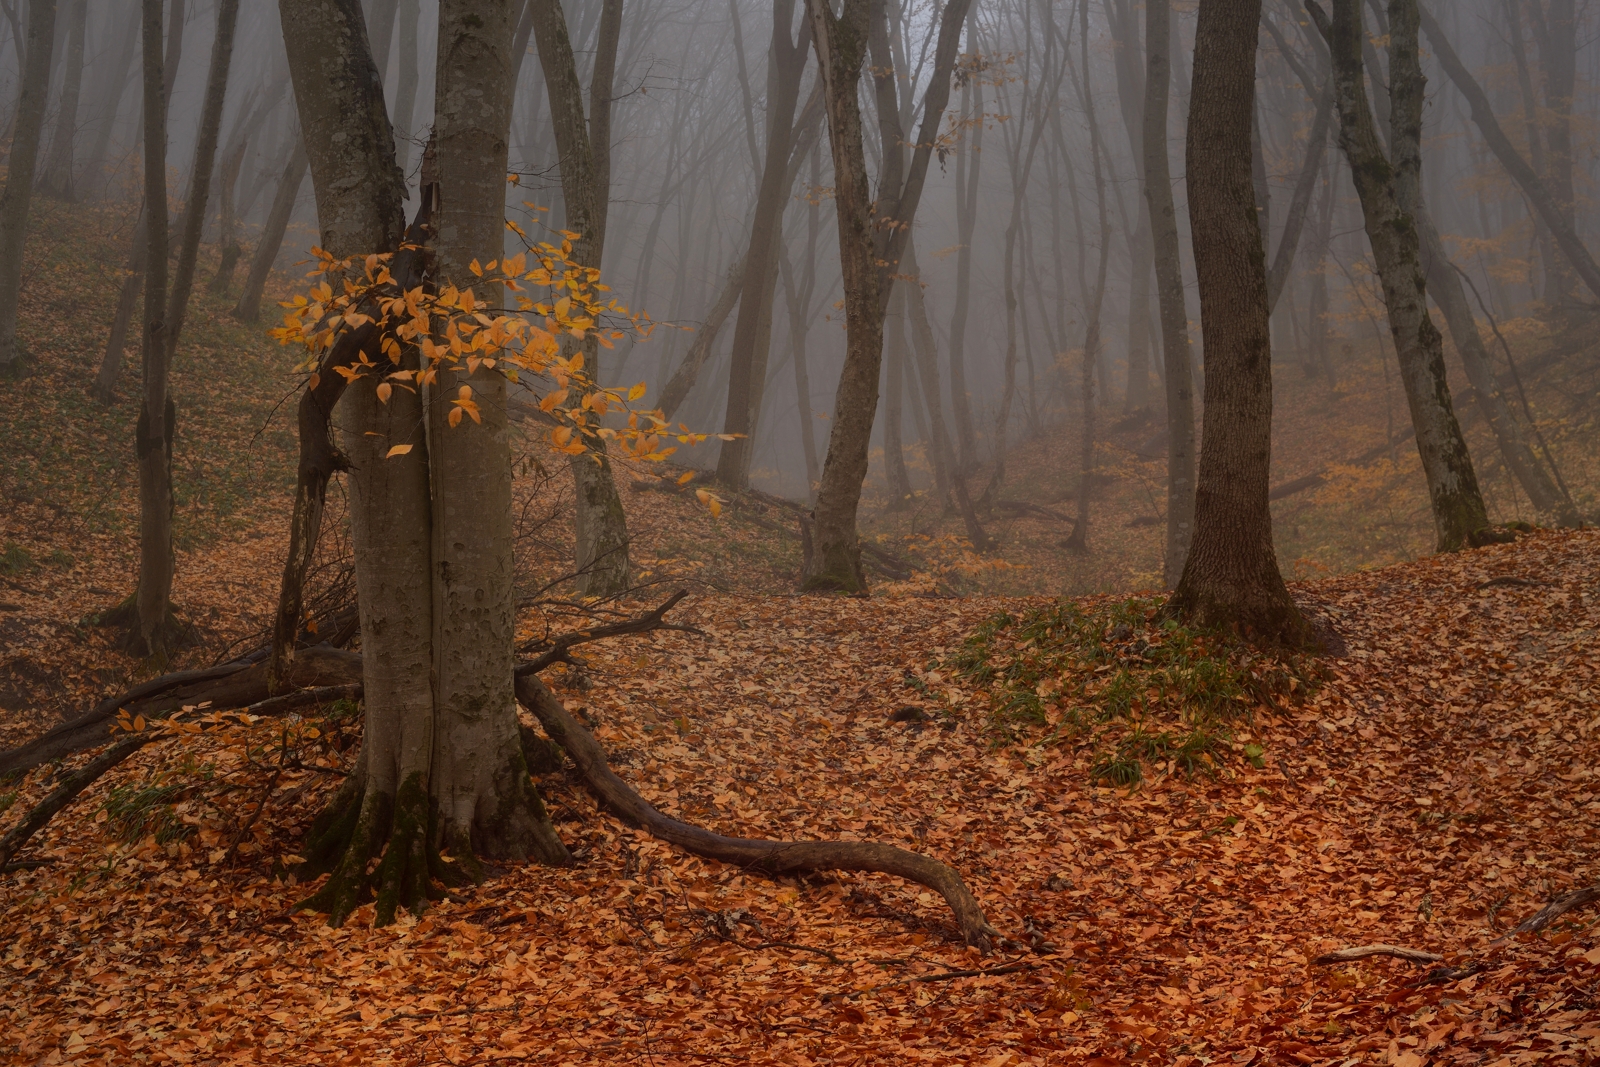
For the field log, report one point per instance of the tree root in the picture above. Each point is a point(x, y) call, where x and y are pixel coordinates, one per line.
point(770, 857)
point(356, 828)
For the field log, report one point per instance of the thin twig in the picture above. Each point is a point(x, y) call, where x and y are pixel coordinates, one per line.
point(1361, 952)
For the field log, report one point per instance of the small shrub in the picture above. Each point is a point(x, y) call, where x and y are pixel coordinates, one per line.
point(15, 560)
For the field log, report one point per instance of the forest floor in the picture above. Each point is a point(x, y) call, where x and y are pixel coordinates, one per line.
point(1431, 786)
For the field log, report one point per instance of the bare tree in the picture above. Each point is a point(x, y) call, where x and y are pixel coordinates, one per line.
point(56, 180)
point(1389, 188)
point(24, 160)
point(1169, 292)
point(1230, 577)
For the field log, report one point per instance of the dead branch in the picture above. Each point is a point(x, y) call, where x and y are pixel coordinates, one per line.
point(770, 857)
point(1361, 952)
point(1552, 911)
point(322, 694)
point(556, 651)
point(63, 794)
point(236, 685)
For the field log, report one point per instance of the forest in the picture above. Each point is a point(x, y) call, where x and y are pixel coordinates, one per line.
point(984, 532)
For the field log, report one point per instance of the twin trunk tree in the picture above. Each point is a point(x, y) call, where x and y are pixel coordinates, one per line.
point(872, 240)
point(1390, 190)
point(441, 761)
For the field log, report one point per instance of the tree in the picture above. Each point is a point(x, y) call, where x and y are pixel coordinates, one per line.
point(1540, 197)
point(56, 180)
point(585, 150)
point(248, 307)
point(1390, 190)
point(157, 413)
point(19, 181)
point(205, 158)
point(872, 239)
point(752, 332)
point(1230, 578)
point(1169, 292)
point(441, 762)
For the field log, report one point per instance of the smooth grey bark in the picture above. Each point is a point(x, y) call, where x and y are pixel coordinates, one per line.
point(205, 157)
point(56, 181)
point(154, 430)
point(248, 308)
point(351, 157)
point(480, 785)
point(1533, 187)
point(1176, 357)
point(1230, 577)
point(584, 145)
point(1390, 192)
point(23, 162)
point(752, 331)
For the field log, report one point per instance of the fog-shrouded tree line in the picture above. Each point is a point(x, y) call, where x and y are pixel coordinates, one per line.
point(884, 240)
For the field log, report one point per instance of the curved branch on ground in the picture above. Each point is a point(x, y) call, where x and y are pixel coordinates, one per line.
point(770, 857)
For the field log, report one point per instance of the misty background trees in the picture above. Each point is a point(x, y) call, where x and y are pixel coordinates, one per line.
point(688, 143)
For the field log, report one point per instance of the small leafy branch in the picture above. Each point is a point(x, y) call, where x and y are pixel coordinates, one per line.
point(559, 306)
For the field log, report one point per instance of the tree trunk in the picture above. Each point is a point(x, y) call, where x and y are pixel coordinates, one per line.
point(677, 389)
point(1230, 578)
point(752, 332)
point(899, 479)
point(1549, 254)
point(248, 309)
point(798, 302)
point(105, 383)
point(841, 45)
point(1390, 194)
point(205, 158)
point(869, 261)
point(154, 433)
point(484, 800)
point(57, 178)
point(601, 533)
point(23, 162)
point(111, 89)
point(1176, 358)
point(969, 165)
point(228, 250)
point(1544, 203)
point(332, 71)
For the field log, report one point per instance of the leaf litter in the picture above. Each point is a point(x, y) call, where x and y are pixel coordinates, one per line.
point(1434, 788)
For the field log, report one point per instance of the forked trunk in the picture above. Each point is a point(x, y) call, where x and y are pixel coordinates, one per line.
point(1390, 192)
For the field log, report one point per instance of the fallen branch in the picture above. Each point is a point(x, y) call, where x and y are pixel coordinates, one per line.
point(770, 857)
point(556, 651)
point(1552, 911)
point(235, 685)
point(63, 794)
point(1361, 952)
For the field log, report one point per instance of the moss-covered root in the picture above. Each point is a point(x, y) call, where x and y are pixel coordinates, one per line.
point(404, 875)
point(350, 884)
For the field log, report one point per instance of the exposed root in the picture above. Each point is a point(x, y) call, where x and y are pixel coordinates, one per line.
point(771, 857)
point(66, 792)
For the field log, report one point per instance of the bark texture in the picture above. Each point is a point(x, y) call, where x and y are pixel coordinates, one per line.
point(23, 161)
point(1230, 578)
point(1390, 191)
point(154, 431)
